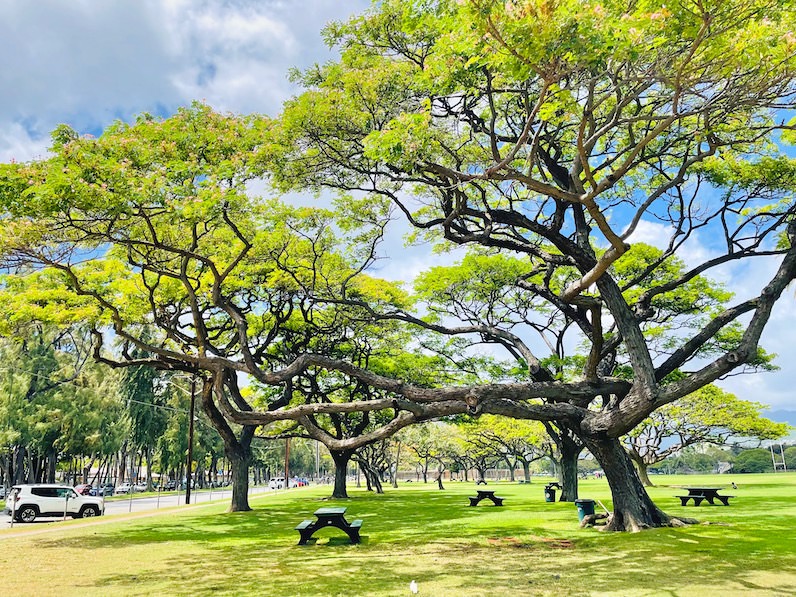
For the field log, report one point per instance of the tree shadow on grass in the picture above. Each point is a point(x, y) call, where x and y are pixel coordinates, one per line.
point(449, 548)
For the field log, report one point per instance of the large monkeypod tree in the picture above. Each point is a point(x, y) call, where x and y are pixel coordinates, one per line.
point(149, 236)
point(554, 131)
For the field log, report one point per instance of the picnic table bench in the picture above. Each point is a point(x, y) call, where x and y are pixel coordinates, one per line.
point(701, 494)
point(329, 517)
point(486, 494)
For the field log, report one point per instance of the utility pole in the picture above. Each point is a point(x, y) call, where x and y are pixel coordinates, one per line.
point(287, 459)
point(190, 442)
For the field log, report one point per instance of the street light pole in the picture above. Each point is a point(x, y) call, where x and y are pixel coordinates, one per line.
point(190, 442)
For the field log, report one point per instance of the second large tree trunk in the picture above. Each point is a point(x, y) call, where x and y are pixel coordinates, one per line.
point(340, 459)
point(633, 508)
point(641, 466)
point(570, 451)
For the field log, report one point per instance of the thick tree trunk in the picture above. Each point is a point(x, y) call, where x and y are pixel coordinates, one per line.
point(121, 474)
point(239, 461)
point(18, 465)
point(340, 459)
point(633, 508)
point(371, 477)
point(52, 461)
point(368, 484)
point(526, 470)
point(510, 466)
point(5, 469)
point(376, 482)
point(569, 473)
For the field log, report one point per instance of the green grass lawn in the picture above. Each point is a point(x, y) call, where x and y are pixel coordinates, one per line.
point(527, 547)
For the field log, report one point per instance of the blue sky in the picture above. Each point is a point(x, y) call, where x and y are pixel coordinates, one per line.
point(88, 62)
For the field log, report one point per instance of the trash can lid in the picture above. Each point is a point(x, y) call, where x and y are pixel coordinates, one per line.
point(585, 502)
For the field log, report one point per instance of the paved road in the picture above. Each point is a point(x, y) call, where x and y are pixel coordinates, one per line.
point(145, 504)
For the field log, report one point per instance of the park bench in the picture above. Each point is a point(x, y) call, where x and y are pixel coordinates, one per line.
point(329, 517)
point(486, 494)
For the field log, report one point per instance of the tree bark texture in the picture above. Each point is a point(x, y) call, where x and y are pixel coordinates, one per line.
point(239, 460)
point(340, 459)
point(569, 475)
point(633, 508)
point(643, 473)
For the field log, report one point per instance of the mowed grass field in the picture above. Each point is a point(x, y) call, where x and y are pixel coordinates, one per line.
point(417, 532)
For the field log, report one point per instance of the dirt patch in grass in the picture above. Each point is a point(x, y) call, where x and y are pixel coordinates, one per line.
point(535, 542)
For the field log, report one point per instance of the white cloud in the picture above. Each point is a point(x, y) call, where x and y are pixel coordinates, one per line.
point(658, 235)
point(17, 144)
point(87, 62)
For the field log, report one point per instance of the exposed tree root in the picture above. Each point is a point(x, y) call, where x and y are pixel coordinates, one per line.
point(591, 520)
point(632, 525)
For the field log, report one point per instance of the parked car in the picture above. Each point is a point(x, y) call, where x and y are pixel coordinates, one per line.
point(85, 489)
point(139, 487)
point(124, 488)
point(171, 485)
point(3, 491)
point(106, 490)
point(28, 502)
point(279, 483)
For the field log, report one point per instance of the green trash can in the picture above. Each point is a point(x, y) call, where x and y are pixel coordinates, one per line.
point(549, 494)
point(585, 507)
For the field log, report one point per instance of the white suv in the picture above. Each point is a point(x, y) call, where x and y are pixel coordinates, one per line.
point(279, 483)
point(26, 502)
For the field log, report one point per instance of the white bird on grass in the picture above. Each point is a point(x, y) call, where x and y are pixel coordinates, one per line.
point(413, 587)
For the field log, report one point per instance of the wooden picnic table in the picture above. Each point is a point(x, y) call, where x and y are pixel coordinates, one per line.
point(329, 517)
point(708, 494)
point(486, 494)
